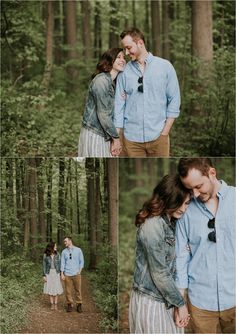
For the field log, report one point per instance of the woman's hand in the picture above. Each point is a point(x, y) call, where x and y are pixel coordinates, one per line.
point(181, 316)
point(115, 147)
point(63, 276)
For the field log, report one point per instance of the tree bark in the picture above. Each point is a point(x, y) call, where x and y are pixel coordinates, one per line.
point(32, 206)
point(114, 24)
point(49, 199)
point(112, 170)
point(61, 201)
point(86, 34)
point(202, 41)
point(49, 46)
point(165, 30)
point(98, 31)
point(156, 28)
point(71, 40)
point(91, 211)
point(77, 198)
point(41, 208)
point(97, 208)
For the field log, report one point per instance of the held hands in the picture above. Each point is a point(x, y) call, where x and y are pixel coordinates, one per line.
point(63, 276)
point(181, 316)
point(115, 147)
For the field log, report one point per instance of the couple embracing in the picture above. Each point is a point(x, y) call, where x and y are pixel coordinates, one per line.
point(186, 241)
point(130, 108)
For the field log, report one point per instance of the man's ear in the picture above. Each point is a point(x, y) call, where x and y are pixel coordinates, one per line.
point(212, 172)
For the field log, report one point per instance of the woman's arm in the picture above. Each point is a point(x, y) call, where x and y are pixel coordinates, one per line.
point(154, 243)
point(104, 102)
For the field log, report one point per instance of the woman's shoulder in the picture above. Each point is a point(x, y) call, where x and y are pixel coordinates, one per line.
point(153, 225)
point(101, 80)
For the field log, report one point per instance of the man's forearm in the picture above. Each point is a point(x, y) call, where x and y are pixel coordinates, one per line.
point(168, 126)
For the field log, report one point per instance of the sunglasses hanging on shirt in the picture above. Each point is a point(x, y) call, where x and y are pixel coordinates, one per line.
point(212, 235)
point(140, 81)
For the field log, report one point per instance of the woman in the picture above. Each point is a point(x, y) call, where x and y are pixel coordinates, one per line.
point(154, 296)
point(98, 136)
point(51, 274)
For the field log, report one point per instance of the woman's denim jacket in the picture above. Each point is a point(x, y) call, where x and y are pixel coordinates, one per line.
point(98, 113)
point(47, 260)
point(155, 261)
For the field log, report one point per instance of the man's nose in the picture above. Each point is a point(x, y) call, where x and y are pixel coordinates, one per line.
point(126, 52)
point(196, 192)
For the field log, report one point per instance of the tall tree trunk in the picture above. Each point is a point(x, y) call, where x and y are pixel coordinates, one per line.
point(32, 205)
point(165, 29)
point(49, 199)
point(114, 24)
point(18, 178)
point(147, 23)
point(41, 209)
point(97, 208)
point(49, 46)
point(156, 28)
point(112, 170)
point(202, 41)
point(71, 40)
point(61, 201)
point(26, 208)
point(58, 34)
point(77, 198)
point(134, 13)
point(90, 172)
point(86, 34)
point(98, 31)
point(10, 182)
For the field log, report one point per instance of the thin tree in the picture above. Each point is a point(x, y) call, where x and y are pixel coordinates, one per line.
point(165, 29)
point(49, 46)
point(114, 24)
point(112, 172)
point(156, 28)
point(49, 199)
point(41, 208)
point(86, 33)
point(61, 200)
point(97, 31)
point(32, 205)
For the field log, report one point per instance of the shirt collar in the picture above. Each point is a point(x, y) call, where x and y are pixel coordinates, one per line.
point(147, 60)
point(223, 189)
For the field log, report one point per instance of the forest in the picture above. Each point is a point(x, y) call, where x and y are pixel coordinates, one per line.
point(45, 199)
point(51, 48)
point(138, 178)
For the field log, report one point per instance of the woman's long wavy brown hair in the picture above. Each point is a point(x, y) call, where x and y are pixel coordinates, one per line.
point(167, 197)
point(106, 62)
point(50, 249)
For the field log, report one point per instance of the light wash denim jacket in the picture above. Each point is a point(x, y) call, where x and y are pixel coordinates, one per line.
point(155, 262)
point(47, 260)
point(98, 113)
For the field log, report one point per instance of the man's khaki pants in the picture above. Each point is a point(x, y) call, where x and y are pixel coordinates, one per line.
point(203, 321)
point(159, 147)
point(70, 283)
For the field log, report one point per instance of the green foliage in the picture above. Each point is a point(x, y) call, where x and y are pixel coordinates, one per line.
point(19, 282)
point(104, 282)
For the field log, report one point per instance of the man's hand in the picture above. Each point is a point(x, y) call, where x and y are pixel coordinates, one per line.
point(181, 316)
point(115, 148)
point(63, 276)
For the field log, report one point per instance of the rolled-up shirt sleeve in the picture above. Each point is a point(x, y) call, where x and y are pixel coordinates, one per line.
point(183, 255)
point(119, 105)
point(172, 94)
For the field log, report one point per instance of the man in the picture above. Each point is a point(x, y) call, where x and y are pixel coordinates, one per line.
point(152, 99)
point(72, 263)
point(207, 266)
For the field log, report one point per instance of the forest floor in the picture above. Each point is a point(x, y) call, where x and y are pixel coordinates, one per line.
point(41, 319)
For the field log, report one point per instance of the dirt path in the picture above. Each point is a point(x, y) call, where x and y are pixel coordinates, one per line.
point(41, 319)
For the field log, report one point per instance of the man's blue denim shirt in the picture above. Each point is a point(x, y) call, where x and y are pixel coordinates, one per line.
point(98, 113)
point(143, 115)
point(208, 270)
point(73, 264)
point(154, 273)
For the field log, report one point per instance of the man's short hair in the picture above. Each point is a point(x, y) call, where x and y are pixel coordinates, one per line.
point(186, 164)
point(68, 238)
point(135, 33)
